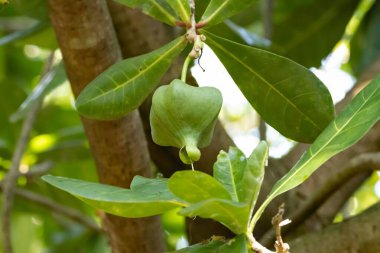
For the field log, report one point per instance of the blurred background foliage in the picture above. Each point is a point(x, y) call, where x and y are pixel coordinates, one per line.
point(311, 32)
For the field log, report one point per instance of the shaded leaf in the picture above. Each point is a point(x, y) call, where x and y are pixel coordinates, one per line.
point(235, 245)
point(158, 9)
point(182, 8)
point(219, 10)
point(50, 81)
point(310, 30)
point(196, 186)
point(365, 45)
point(231, 214)
point(348, 128)
point(125, 85)
point(36, 28)
point(206, 247)
point(153, 200)
point(302, 104)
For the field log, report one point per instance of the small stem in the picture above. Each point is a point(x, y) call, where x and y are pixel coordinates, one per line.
point(185, 68)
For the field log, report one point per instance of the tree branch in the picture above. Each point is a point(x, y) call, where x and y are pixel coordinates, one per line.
point(9, 183)
point(358, 234)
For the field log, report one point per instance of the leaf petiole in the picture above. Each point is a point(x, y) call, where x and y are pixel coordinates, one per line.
point(185, 68)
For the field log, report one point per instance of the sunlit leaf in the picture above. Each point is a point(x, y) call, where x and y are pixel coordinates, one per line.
point(349, 127)
point(219, 10)
point(158, 9)
point(182, 8)
point(231, 214)
point(153, 200)
point(288, 96)
point(196, 186)
point(125, 85)
point(236, 245)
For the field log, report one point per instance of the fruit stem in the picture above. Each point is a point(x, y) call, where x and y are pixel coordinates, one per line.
point(185, 68)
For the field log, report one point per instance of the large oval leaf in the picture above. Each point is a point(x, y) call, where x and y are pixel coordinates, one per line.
point(157, 9)
point(124, 86)
point(155, 198)
point(288, 96)
point(196, 186)
point(219, 10)
point(349, 127)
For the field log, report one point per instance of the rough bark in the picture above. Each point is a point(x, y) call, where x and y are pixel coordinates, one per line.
point(360, 234)
point(88, 43)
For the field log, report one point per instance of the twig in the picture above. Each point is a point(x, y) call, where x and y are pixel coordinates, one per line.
point(11, 177)
point(256, 246)
point(363, 163)
point(277, 222)
point(37, 170)
point(57, 208)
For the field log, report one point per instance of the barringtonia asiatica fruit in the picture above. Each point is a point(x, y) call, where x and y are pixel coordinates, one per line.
point(184, 116)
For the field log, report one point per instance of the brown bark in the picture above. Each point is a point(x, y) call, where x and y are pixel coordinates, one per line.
point(88, 44)
point(360, 234)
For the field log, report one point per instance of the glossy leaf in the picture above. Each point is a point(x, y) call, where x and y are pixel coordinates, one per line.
point(196, 186)
point(348, 128)
point(152, 200)
point(219, 10)
point(288, 96)
point(307, 31)
point(125, 85)
point(229, 171)
point(158, 9)
point(254, 175)
point(182, 8)
point(52, 80)
point(231, 214)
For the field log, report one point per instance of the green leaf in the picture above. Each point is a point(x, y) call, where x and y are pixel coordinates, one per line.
point(348, 128)
point(158, 9)
point(219, 10)
point(365, 44)
point(204, 247)
point(310, 30)
point(235, 245)
point(52, 80)
point(196, 186)
point(229, 171)
point(233, 215)
point(182, 8)
point(254, 175)
point(288, 96)
point(125, 85)
point(134, 203)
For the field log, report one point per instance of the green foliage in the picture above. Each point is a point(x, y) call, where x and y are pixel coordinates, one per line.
point(158, 9)
point(349, 127)
point(302, 103)
point(124, 86)
point(184, 116)
point(182, 8)
point(219, 10)
point(307, 31)
point(150, 197)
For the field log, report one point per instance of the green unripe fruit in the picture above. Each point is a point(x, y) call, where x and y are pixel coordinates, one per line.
point(184, 116)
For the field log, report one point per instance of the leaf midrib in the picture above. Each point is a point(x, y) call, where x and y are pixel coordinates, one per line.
point(209, 19)
point(136, 76)
point(274, 194)
point(270, 86)
point(165, 12)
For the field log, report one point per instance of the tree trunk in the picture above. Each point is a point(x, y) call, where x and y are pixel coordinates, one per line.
point(88, 43)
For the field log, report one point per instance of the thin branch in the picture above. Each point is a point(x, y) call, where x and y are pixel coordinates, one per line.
point(13, 174)
point(277, 222)
point(256, 246)
point(363, 163)
point(57, 208)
